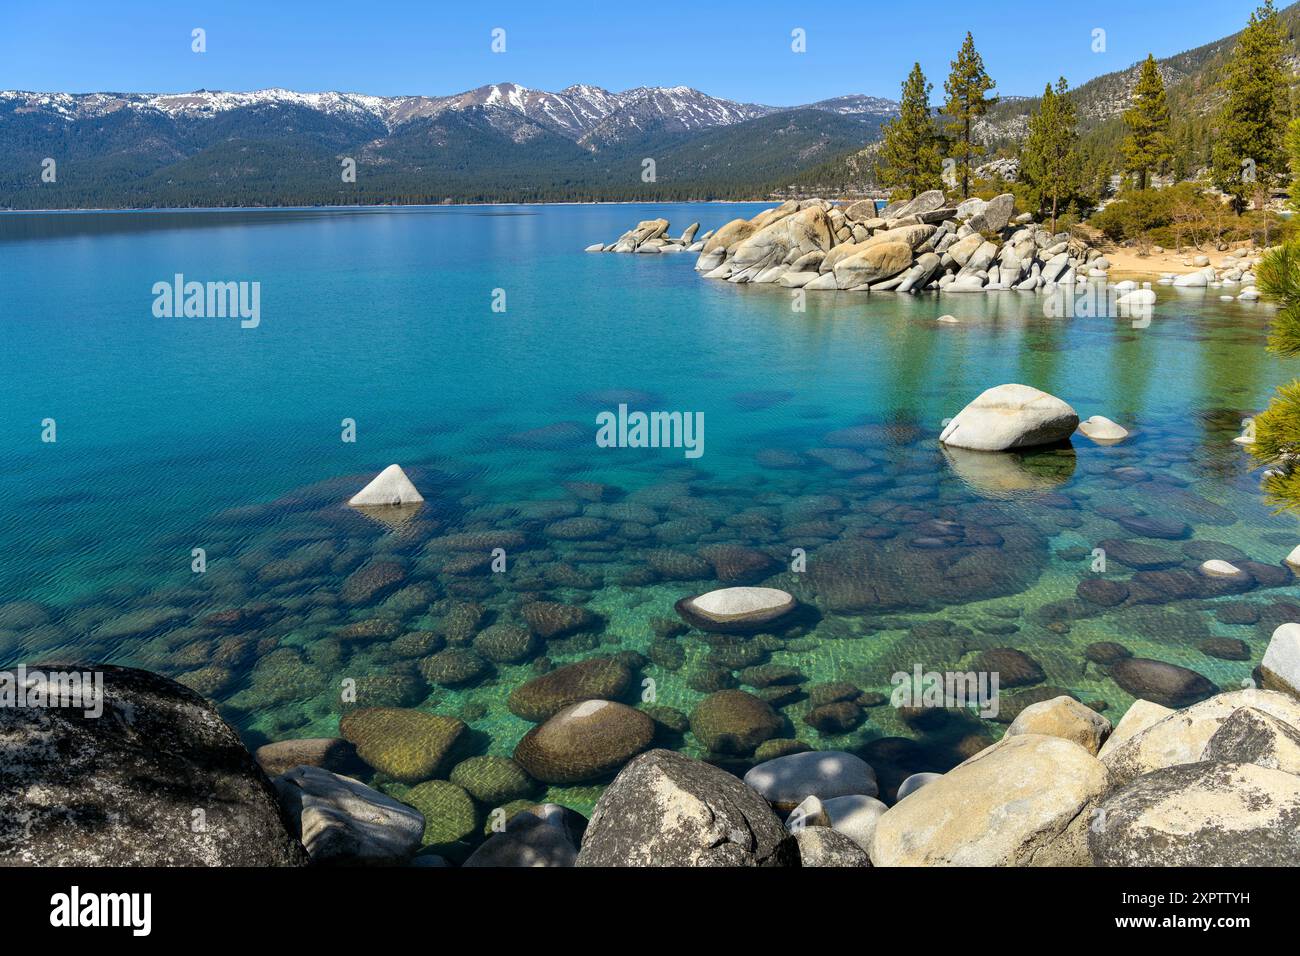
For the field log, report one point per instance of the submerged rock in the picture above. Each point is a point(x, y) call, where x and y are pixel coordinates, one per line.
point(549, 619)
point(449, 813)
point(407, 745)
point(584, 741)
point(598, 678)
point(733, 722)
point(665, 809)
point(1164, 683)
point(736, 610)
point(492, 780)
point(372, 582)
point(329, 753)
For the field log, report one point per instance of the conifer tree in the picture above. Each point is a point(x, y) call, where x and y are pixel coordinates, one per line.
point(909, 160)
point(1248, 148)
point(1148, 148)
point(1049, 160)
point(1277, 428)
point(966, 86)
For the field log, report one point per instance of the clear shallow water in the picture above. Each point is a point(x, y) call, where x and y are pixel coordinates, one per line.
point(821, 431)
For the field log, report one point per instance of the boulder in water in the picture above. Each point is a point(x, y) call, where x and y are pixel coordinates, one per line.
point(389, 487)
point(736, 610)
point(1010, 416)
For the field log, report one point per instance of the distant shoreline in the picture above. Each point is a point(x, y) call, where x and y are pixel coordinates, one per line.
point(598, 202)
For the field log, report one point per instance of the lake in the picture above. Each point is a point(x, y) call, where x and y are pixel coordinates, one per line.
point(476, 346)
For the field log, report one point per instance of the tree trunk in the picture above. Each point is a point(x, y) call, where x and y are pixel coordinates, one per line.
point(965, 168)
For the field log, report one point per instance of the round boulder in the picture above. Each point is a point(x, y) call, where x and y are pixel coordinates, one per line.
point(1158, 681)
point(734, 722)
point(599, 678)
point(584, 741)
point(785, 781)
point(736, 610)
point(1010, 416)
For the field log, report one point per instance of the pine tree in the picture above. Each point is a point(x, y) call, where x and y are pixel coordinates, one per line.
point(1277, 428)
point(966, 87)
point(1049, 160)
point(909, 160)
point(1293, 159)
point(1248, 149)
point(1148, 147)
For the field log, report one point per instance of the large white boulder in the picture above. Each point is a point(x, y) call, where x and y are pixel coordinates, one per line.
point(1192, 280)
point(1063, 717)
point(1200, 814)
point(785, 781)
point(1182, 736)
point(874, 263)
point(1010, 416)
point(856, 816)
point(1280, 667)
point(1024, 802)
point(389, 487)
point(800, 233)
point(1141, 715)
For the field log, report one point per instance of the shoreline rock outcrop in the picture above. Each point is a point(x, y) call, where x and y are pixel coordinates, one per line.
point(922, 244)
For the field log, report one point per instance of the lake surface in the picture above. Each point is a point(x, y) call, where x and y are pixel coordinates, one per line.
point(821, 426)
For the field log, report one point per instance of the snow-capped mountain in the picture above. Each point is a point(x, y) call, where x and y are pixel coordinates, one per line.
point(581, 112)
point(499, 142)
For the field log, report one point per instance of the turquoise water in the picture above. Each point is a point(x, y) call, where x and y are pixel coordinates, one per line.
point(821, 427)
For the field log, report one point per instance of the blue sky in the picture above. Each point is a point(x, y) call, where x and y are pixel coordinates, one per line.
point(434, 47)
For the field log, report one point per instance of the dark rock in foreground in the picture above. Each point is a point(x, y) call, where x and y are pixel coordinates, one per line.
point(665, 809)
point(158, 780)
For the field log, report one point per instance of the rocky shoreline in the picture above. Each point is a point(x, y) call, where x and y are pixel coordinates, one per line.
point(913, 246)
point(165, 781)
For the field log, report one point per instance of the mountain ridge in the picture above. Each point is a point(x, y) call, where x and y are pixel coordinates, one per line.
point(495, 143)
